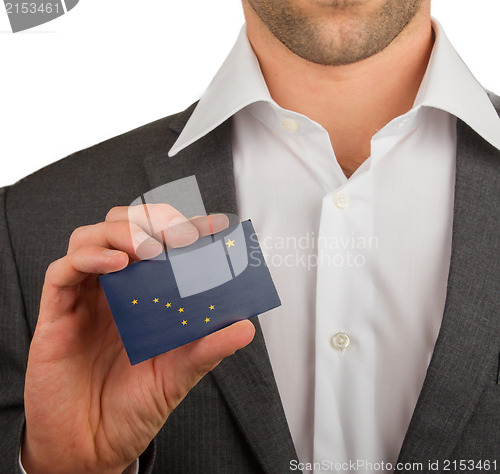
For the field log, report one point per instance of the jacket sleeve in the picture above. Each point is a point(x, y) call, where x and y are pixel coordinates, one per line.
point(15, 338)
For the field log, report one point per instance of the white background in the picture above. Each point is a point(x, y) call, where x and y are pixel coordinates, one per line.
point(109, 66)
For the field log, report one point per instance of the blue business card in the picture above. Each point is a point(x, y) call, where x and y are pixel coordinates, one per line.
point(187, 293)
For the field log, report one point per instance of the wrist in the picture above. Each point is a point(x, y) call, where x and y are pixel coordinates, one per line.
point(34, 463)
point(28, 460)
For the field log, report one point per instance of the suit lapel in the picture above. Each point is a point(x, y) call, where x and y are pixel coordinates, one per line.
point(246, 379)
point(248, 385)
point(466, 349)
point(209, 159)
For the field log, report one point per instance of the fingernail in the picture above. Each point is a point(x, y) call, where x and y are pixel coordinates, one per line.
point(180, 225)
point(143, 238)
point(111, 253)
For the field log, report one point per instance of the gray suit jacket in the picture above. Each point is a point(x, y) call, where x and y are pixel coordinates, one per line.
point(233, 420)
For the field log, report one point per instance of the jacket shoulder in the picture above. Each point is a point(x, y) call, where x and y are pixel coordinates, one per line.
point(103, 158)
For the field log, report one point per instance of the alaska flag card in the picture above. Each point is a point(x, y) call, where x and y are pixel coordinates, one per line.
point(187, 293)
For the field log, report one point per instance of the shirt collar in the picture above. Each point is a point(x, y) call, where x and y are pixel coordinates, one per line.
point(448, 85)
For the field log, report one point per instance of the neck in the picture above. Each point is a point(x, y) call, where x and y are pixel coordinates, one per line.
point(353, 101)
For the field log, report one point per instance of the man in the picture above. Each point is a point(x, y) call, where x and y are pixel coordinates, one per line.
point(351, 120)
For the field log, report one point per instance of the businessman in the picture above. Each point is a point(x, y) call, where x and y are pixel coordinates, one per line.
point(350, 125)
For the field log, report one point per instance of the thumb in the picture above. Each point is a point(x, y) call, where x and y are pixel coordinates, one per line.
point(182, 368)
point(210, 350)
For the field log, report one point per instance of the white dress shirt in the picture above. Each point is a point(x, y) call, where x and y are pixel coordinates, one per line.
point(360, 264)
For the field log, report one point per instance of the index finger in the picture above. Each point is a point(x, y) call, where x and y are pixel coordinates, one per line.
point(167, 224)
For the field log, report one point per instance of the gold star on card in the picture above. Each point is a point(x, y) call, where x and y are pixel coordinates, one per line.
point(168, 305)
point(207, 320)
point(181, 310)
point(211, 307)
point(156, 300)
point(230, 243)
point(134, 301)
point(184, 322)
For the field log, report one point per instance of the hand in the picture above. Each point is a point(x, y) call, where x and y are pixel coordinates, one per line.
point(87, 409)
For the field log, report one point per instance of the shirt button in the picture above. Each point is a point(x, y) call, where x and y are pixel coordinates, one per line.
point(340, 341)
point(290, 125)
point(341, 200)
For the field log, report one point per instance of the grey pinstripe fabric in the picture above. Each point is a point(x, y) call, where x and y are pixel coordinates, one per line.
point(233, 421)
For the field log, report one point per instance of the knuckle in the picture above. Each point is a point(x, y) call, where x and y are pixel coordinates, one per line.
point(161, 208)
point(113, 212)
point(77, 235)
point(52, 270)
point(82, 236)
